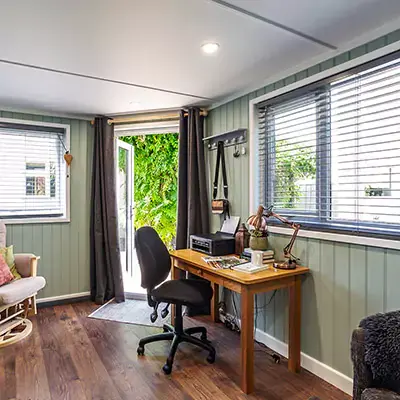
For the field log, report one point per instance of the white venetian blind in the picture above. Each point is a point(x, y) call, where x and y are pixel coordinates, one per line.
point(330, 156)
point(32, 172)
point(365, 155)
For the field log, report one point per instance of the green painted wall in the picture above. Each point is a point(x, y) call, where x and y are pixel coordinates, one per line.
point(63, 247)
point(347, 282)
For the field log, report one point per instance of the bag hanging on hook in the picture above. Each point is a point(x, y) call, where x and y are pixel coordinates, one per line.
point(220, 206)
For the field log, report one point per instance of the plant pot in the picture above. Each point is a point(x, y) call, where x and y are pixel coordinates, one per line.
point(259, 243)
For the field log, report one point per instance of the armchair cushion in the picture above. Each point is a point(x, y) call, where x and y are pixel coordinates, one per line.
point(5, 273)
point(19, 290)
point(23, 264)
point(379, 394)
point(8, 254)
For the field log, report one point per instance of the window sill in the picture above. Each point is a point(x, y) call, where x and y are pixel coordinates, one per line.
point(22, 221)
point(338, 237)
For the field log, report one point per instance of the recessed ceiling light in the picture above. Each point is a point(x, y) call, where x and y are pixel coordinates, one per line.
point(210, 48)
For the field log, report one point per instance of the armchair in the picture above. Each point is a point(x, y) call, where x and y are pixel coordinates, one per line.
point(365, 387)
point(18, 298)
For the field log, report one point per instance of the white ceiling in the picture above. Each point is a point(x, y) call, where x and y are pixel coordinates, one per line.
point(156, 44)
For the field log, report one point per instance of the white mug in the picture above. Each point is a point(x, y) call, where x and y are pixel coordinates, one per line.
point(257, 258)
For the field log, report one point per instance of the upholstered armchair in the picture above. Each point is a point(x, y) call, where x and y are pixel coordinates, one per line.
point(18, 298)
point(364, 385)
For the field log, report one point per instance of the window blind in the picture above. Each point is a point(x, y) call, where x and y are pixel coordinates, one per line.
point(330, 156)
point(32, 172)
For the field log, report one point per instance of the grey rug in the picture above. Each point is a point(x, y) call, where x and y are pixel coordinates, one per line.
point(135, 312)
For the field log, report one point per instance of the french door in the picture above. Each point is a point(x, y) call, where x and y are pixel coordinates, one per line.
point(124, 191)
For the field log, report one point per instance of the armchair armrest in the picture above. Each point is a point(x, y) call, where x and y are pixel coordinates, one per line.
point(26, 264)
point(362, 373)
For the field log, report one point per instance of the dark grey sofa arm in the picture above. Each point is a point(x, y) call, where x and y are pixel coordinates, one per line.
point(379, 394)
point(362, 373)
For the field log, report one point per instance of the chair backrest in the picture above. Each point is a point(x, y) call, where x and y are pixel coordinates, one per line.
point(3, 231)
point(153, 257)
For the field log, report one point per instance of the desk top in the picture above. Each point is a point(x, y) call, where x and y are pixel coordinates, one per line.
point(195, 258)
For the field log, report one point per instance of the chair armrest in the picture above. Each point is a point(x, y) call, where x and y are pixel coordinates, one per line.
point(26, 264)
point(379, 394)
point(362, 372)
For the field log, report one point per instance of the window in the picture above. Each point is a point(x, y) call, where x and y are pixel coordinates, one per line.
point(33, 180)
point(330, 153)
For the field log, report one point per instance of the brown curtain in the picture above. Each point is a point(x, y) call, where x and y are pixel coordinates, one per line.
point(193, 208)
point(105, 264)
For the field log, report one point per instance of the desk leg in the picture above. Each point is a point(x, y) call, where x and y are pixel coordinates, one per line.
point(294, 325)
point(214, 303)
point(247, 340)
point(174, 275)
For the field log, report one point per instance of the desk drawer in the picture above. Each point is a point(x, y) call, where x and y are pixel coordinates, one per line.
point(219, 280)
point(198, 271)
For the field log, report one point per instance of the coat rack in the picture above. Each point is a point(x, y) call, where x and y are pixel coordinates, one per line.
point(231, 138)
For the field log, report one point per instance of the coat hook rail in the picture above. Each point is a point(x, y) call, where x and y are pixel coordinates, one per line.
point(230, 138)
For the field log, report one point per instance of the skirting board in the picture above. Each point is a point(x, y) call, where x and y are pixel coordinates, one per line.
point(63, 298)
point(316, 367)
point(74, 297)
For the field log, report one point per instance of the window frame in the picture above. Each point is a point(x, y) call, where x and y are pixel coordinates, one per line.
point(41, 220)
point(369, 60)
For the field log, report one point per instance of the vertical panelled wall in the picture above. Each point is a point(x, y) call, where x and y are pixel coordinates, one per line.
point(347, 282)
point(63, 247)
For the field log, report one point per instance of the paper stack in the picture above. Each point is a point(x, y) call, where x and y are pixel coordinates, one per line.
point(250, 268)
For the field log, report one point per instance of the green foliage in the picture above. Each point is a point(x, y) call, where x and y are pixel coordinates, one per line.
point(292, 163)
point(155, 182)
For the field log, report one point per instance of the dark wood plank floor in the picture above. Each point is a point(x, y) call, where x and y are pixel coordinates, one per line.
point(70, 356)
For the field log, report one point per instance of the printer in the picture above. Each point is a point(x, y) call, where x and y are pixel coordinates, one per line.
point(220, 243)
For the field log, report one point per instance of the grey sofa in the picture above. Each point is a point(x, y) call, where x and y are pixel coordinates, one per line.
point(364, 387)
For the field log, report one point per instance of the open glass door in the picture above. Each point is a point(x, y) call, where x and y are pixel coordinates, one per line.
point(125, 206)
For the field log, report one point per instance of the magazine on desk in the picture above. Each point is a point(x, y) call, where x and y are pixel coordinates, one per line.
point(235, 263)
point(224, 262)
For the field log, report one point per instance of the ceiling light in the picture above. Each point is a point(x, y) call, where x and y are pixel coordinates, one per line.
point(210, 48)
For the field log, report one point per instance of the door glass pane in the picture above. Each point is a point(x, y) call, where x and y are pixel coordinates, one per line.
point(123, 207)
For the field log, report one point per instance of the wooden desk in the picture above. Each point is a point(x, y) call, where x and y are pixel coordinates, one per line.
point(248, 285)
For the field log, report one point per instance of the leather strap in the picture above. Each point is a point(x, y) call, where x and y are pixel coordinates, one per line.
point(220, 159)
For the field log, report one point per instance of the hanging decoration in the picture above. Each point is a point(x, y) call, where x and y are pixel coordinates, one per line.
point(67, 156)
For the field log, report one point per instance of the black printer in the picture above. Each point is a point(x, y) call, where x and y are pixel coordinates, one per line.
point(213, 244)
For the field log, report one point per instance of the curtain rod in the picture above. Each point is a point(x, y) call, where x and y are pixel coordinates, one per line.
point(139, 118)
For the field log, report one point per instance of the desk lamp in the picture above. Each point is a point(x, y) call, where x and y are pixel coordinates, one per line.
point(263, 213)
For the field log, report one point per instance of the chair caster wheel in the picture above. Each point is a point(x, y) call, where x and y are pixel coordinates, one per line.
point(140, 350)
point(167, 369)
point(153, 317)
point(211, 358)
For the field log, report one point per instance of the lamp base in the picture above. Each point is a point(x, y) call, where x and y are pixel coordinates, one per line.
point(290, 264)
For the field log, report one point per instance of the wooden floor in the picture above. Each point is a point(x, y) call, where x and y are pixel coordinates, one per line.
point(70, 356)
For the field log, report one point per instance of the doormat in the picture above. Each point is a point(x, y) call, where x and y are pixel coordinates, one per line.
point(136, 312)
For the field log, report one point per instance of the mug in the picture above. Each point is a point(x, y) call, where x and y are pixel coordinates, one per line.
point(257, 258)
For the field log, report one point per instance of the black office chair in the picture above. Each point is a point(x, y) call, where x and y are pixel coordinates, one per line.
point(155, 265)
